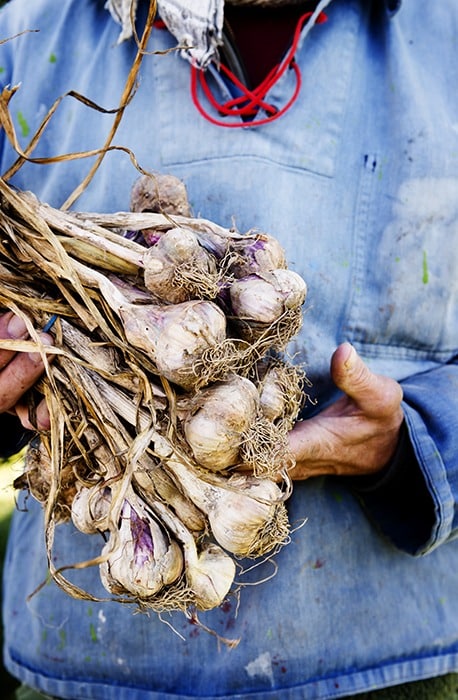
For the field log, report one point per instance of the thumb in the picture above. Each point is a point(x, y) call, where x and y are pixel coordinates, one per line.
point(374, 394)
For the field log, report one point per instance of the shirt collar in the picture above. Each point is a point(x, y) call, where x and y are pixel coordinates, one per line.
point(197, 25)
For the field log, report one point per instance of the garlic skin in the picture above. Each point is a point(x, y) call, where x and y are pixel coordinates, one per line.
point(214, 427)
point(178, 268)
point(211, 577)
point(271, 397)
point(291, 285)
point(247, 515)
point(239, 525)
point(265, 298)
point(175, 336)
point(161, 193)
point(258, 254)
point(143, 559)
point(210, 572)
point(91, 509)
point(156, 483)
point(281, 393)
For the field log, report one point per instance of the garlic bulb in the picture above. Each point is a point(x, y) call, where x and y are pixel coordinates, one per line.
point(91, 509)
point(271, 396)
point(161, 193)
point(141, 558)
point(178, 268)
point(215, 425)
point(211, 576)
point(290, 285)
point(210, 572)
point(247, 515)
point(265, 298)
point(281, 393)
point(175, 336)
point(257, 254)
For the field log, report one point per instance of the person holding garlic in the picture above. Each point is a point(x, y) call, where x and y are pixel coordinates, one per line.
point(348, 159)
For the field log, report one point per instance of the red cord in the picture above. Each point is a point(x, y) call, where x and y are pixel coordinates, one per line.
point(251, 101)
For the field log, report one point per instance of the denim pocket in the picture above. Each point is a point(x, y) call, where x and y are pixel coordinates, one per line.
point(308, 136)
point(405, 281)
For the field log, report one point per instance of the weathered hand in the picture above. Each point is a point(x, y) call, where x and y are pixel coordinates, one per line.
point(357, 434)
point(19, 372)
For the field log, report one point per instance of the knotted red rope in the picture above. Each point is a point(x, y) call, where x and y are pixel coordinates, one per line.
point(248, 104)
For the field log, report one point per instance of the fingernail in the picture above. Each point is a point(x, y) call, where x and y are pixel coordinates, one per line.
point(17, 328)
point(42, 416)
point(350, 358)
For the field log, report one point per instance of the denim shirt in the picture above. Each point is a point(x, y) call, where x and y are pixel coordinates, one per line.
point(359, 181)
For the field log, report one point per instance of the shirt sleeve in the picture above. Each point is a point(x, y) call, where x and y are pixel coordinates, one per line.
point(413, 501)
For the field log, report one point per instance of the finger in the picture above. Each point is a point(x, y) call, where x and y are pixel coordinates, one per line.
point(373, 393)
point(41, 418)
point(20, 374)
point(11, 328)
point(305, 446)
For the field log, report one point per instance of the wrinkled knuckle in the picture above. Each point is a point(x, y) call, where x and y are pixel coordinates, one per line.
point(393, 404)
point(388, 401)
point(396, 394)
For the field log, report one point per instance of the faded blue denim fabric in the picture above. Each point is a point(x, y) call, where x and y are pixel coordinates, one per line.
point(359, 180)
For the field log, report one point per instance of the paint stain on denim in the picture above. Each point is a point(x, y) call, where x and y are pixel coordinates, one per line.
point(25, 128)
point(425, 277)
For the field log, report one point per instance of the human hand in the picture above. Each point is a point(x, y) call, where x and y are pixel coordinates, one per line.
point(19, 372)
point(357, 434)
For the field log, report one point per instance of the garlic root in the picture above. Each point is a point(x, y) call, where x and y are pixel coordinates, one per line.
point(177, 268)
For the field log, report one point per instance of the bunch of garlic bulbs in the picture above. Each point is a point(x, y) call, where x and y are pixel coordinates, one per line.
point(170, 393)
